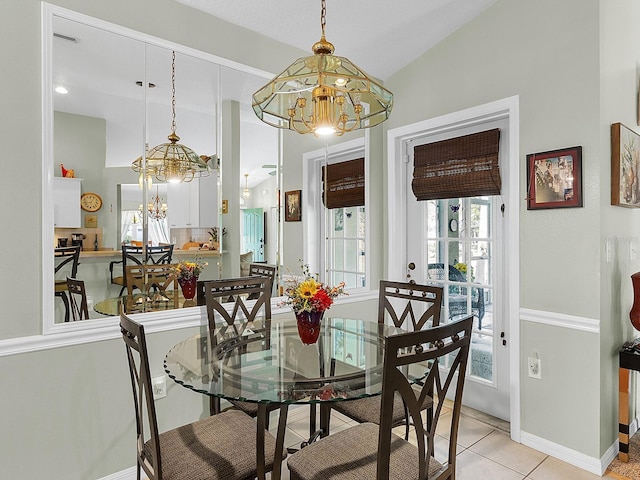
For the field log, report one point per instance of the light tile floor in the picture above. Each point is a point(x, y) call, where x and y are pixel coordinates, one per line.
point(485, 450)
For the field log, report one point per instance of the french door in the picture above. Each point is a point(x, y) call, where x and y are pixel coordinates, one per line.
point(457, 243)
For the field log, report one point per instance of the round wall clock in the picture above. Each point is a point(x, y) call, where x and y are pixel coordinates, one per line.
point(453, 225)
point(90, 202)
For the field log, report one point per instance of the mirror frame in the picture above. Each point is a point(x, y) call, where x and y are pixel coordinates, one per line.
point(102, 328)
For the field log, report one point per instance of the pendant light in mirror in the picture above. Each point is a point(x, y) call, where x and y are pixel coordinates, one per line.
point(172, 162)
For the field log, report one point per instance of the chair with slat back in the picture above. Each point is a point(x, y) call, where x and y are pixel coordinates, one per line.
point(66, 260)
point(242, 313)
point(409, 306)
point(263, 270)
point(77, 299)
point(131, 255)
point(373, 451)
point(135, 255)
point(159, 278)
point(219, 447)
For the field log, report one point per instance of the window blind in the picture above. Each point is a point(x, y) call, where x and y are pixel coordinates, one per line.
point(344, 184)
point(464, 166)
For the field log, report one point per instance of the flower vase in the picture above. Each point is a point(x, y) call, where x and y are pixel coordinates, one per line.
point(309, 326)
point(188, 286)
point(634, 314)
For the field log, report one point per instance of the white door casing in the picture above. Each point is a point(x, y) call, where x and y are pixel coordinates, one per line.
point(397, 155)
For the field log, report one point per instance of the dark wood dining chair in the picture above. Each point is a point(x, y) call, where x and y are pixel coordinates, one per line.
point(242, 313)
point(263, 270)
point(77, 299)
point(370, 451)
point(135, 255)
point(161, 279)
point(219, 447)
point(409, 306)
point(66, 260)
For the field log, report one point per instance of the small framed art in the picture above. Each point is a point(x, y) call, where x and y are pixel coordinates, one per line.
point(292, 206)
point(625, 161)
point(554, 179)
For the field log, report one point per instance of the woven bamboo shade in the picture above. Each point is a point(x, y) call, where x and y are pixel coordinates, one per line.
point(345, 182)
point(464, 166)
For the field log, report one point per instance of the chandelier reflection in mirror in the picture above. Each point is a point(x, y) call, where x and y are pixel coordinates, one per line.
point(156, 208)
point(246, 193)
point(323, 94)
point(172, 162)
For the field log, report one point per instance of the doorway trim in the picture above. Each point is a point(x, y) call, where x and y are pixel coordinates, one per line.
point(397, 163)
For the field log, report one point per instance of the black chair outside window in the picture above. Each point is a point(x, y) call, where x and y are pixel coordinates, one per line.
point(458, 293)
point(369, 451)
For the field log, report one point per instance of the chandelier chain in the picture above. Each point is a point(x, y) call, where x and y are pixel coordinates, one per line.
point(173, 92)
point(323, 16)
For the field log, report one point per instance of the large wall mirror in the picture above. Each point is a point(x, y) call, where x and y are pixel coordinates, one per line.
point(107, 98)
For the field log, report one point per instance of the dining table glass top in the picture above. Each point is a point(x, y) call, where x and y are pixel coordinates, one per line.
point(141, 303)
point(267, 362)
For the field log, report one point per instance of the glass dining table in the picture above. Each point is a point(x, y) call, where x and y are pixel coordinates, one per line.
point(267, 363)
point(141, 303)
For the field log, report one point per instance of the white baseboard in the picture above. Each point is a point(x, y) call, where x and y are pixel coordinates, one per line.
point(594, 465)
point(128, 474)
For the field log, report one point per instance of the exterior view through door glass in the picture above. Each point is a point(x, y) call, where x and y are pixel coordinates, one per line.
point(452, 243)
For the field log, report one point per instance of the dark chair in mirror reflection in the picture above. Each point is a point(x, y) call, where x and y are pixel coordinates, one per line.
point(242, 317)
point(159, 282)
point(133, 255)
point(409, 306)
point(66, 261)
point(77, 299)
point(458, 293)
point(375, 452)
point(218, 447)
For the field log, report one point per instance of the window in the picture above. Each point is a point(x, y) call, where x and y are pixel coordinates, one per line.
point(338, 234)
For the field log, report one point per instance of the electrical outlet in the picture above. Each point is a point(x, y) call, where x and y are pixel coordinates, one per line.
point(159, 385)
point(535, 368)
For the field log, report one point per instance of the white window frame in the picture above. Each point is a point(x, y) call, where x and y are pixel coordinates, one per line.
point(315, 214)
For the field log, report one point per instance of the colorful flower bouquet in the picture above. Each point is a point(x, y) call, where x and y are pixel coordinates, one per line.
point(307, 294)
point(309, 299)
point(189, 270)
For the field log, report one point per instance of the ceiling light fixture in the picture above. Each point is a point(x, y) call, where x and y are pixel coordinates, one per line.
point(173, 162)
point(156, 209)
point(61, 90)
point(323, 94)
point(246, 193)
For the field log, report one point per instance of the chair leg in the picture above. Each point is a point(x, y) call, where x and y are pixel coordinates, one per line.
point(214, 405)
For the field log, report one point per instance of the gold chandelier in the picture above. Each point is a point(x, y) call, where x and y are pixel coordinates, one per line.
point(323, 94)
point(156, 209)
point(172, 162)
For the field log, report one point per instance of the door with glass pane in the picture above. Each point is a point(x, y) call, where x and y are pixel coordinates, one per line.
point(456, 243)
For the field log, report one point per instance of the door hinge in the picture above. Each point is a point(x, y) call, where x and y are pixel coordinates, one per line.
point(504, 341)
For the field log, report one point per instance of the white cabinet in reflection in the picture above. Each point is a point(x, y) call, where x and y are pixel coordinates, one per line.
point(193, 204)
point(66, 202)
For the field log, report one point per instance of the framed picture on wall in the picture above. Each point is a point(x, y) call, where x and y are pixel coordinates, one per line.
point(292, 206)
point(554, 179)
point(625, 161)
